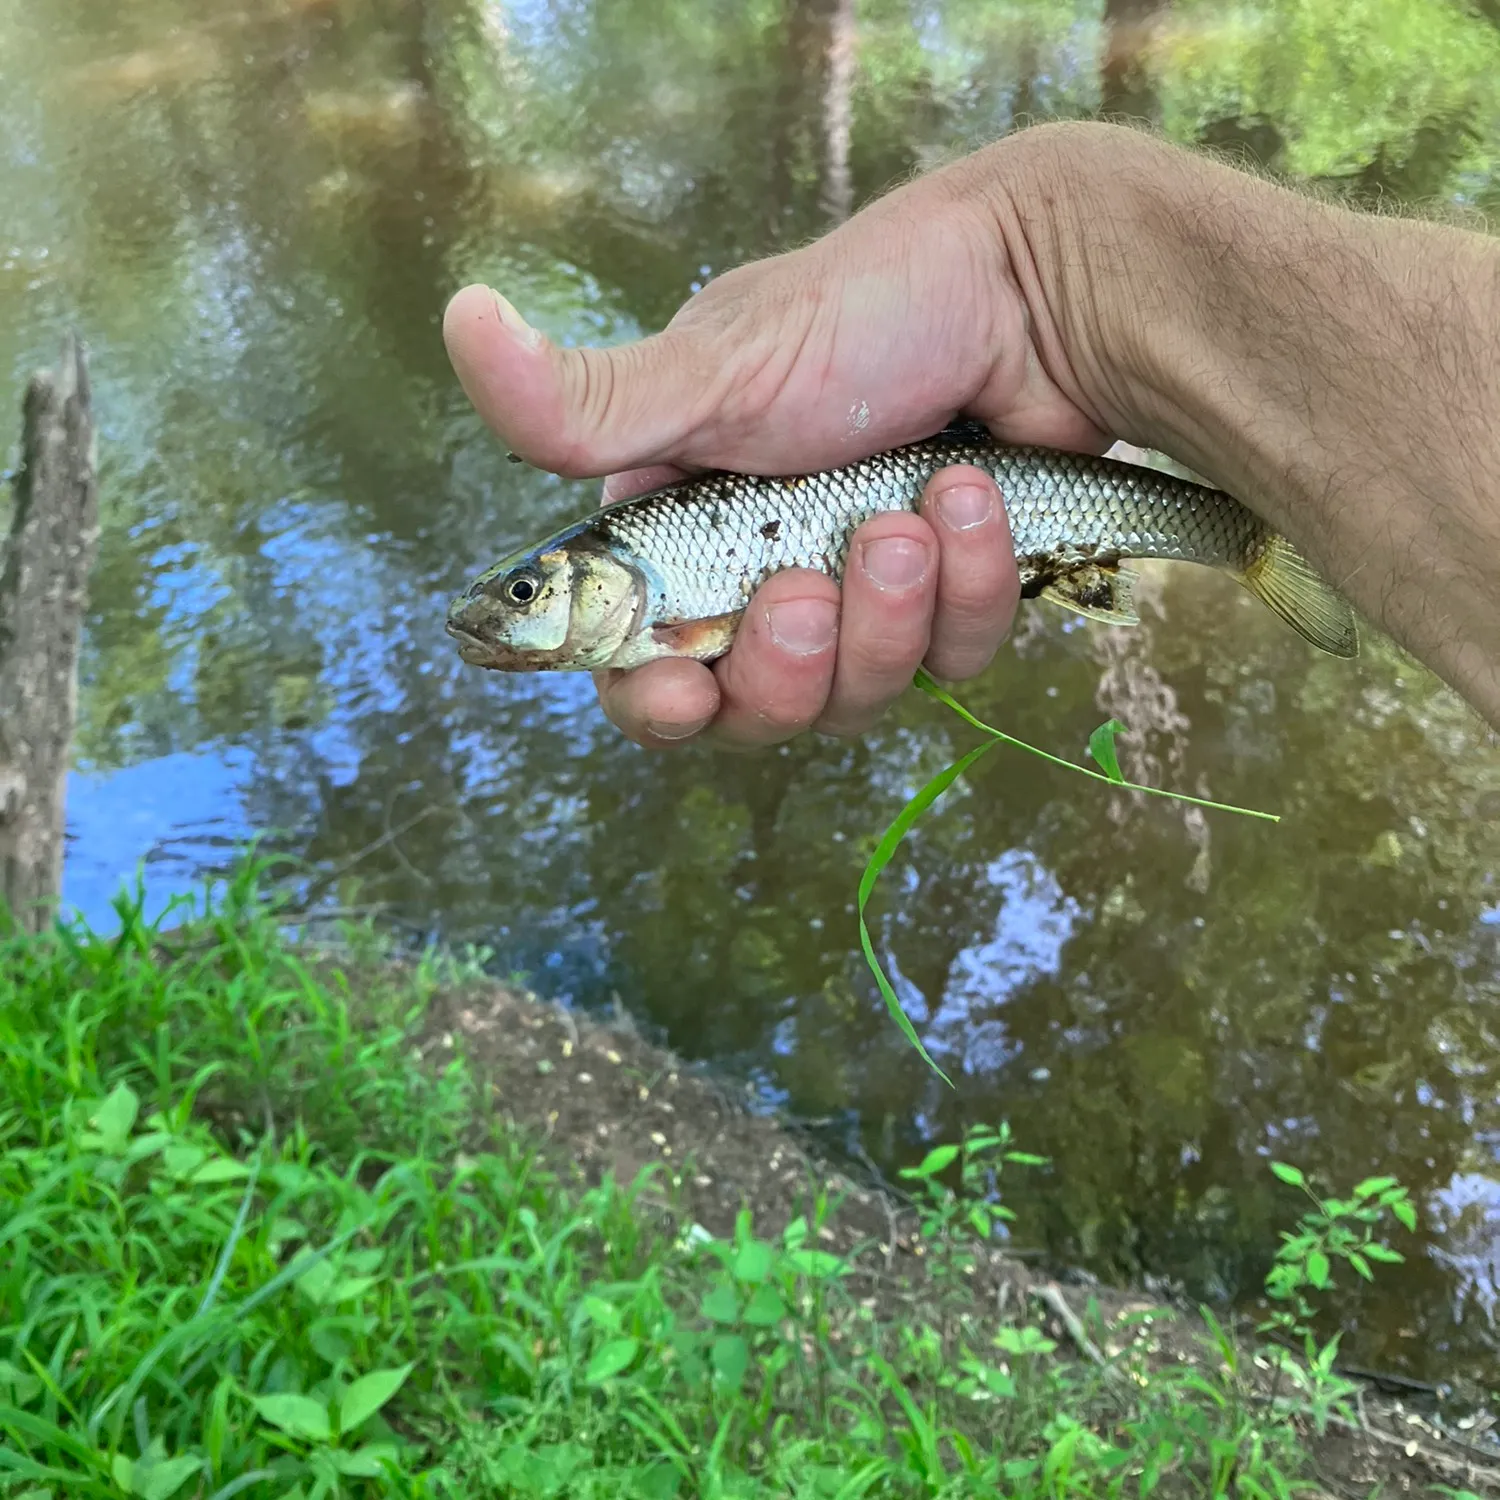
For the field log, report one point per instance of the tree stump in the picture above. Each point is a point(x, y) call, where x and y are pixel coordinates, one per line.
point(44, 573)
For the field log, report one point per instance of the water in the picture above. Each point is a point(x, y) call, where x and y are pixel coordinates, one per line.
point(256, 219)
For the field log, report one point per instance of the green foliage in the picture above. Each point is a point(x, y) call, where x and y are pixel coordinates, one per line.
point(250, 1248)
point(1346, 81)
point(1334, 1229)
point(954, 1220)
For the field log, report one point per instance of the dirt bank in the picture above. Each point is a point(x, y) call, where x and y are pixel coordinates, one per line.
point(605, 1100)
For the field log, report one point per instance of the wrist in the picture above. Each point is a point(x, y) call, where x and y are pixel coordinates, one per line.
point(1086, 214)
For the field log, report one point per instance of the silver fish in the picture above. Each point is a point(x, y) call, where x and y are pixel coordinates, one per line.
point(670, 573)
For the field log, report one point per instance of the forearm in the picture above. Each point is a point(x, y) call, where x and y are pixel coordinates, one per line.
point(1339, 372)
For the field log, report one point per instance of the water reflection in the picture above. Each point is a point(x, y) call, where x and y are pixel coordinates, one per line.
point(257, 217)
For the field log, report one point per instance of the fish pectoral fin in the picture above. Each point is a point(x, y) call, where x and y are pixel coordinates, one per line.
point(1283, 580)
point(1097, 591)
point(699, 640)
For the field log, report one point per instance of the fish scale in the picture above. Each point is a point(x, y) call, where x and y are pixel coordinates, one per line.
point(707, 543)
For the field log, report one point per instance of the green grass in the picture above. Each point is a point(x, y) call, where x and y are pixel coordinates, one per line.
point(250, 1246)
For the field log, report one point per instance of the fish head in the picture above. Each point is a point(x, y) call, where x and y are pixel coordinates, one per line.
point(568, 605)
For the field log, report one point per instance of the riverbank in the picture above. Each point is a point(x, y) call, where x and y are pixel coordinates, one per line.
point(292, 1221)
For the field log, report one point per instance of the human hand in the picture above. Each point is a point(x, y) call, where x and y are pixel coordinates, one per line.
point(909, 314)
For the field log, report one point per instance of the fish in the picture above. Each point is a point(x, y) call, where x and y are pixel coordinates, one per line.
point(669, 573)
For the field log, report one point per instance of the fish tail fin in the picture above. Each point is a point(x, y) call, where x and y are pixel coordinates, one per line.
point(1283, 580)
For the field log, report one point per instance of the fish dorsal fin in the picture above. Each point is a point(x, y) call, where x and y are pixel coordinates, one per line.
point(968, 427)
point(1097, 592)
point(1283, 580)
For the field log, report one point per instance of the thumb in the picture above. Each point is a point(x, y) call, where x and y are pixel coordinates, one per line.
point(578, 412)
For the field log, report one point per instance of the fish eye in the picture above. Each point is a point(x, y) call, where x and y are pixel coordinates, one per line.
point(522, 586)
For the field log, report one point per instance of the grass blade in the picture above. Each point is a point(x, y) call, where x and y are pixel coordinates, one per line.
point(884, 851)
point(928, 686)
point(1101, 747)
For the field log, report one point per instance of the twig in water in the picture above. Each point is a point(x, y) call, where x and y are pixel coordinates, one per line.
point(390, 835)
point(396, 848)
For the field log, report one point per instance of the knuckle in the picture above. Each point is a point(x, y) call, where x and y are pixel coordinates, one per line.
point(957, 660)
point(973, 584)
point(869, 666)
point(780, 720)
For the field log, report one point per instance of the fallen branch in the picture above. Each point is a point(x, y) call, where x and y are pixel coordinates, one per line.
point(1051, 1294)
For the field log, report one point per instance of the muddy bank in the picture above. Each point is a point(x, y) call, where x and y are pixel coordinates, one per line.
point(603, 1099)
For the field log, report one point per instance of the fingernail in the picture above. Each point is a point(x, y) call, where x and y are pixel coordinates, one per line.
point(965, 506)
point(803, 626)
point(893, 562)
point(667, 730)
point(512, 320)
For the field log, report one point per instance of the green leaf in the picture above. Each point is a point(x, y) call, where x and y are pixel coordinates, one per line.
point(1385, 1254)
point(1026, 1159)
point(220, 1169)
point(610, 1359)
point(18, 1384)
point(997, 1382)
point(765, 1308)
point(817, 1264)
point(753, 1261)
point(661, 1481)
point(1102, 748)
point(936, 1160)
point(158, 1481)
point(368, 1394)
point(1361, 1265)
point(180, 1158)
point(604, 1314)
point(347, 1288)
point(1406, 1213)
point(364, 1463)
point(721, 1305)
point(731, 1359)
point(297, 1416)
point(316, 1280)
point(1372, 1185)
point(18, 1465)
point(1019, 1341)
point(114, 1118)
point(13, 1420)
point(1288, 1174)
point(1317, 1269)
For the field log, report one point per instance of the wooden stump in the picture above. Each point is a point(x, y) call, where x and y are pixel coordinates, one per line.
point(44, 574)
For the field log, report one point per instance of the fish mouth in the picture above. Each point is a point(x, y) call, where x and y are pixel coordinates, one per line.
point(475, 652)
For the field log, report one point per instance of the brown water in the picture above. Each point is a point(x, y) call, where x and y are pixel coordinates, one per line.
point(256, 220)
